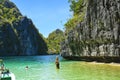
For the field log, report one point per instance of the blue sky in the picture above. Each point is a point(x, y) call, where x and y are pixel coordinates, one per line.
point(47, 15)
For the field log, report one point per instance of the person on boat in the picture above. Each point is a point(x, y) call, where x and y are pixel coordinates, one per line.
point(2, 67)
point(5, 72)
point(57, 63)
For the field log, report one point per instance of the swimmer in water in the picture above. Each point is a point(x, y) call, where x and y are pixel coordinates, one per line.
point(26, 67)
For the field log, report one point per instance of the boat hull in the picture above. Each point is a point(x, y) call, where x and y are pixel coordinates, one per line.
point(7, 76)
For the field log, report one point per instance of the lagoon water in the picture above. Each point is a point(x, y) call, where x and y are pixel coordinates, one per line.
point(43, 68)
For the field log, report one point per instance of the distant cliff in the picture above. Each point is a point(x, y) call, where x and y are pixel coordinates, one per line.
point(18, 35)
point(98, 34)
point(53, 41)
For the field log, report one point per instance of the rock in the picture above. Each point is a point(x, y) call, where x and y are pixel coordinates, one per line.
point(98, 34)
point(8, 4)
point(30, 40)
point(9, 43)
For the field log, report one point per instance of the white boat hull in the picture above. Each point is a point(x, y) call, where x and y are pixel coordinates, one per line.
point(8, 75)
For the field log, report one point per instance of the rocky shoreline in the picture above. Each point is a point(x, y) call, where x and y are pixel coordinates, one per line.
point(106, 59)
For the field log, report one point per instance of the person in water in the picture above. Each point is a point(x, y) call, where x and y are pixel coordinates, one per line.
point(26, 67)
point(57, 63)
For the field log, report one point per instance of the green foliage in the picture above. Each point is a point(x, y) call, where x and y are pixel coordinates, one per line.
point(53, 41)
point(76, 6)
point(9, 14)
point(78, 9)
point(72, 22)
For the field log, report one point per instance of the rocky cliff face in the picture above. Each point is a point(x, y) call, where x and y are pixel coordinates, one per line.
point(31, 43)
point(98, 34)
point(18, 35)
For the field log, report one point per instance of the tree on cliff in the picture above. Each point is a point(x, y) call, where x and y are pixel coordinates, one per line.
point(78, 9)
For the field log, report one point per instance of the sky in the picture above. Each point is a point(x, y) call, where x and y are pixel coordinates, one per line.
point(47, 15)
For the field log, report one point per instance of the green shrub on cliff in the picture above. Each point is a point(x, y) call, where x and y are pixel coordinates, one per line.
point(78, 9)
point(76, 6)
point(8, 11)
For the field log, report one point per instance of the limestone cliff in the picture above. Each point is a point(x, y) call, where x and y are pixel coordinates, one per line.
point(98, 34)
point(18, 35)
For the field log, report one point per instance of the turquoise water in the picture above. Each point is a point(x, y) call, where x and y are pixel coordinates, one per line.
point(43, 68)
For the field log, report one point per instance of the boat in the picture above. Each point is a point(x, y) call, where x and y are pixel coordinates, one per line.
point(5, 74)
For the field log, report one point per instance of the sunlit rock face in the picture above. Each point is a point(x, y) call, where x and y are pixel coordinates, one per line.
point(18, 35)
point(98, 34)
